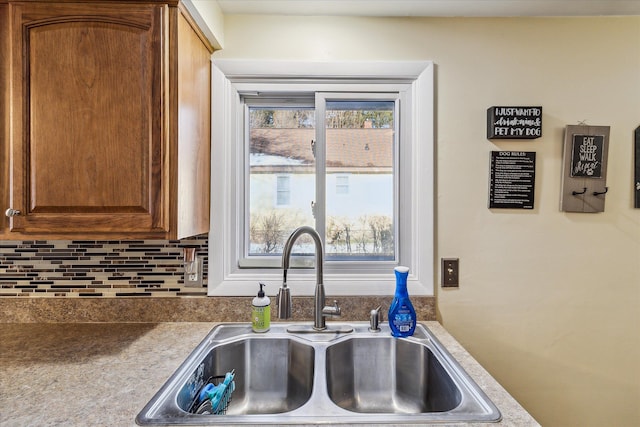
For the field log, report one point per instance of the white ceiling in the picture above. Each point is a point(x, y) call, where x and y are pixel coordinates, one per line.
point(477, 8)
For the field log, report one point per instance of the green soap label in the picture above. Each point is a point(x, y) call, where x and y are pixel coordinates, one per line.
point(261, 317)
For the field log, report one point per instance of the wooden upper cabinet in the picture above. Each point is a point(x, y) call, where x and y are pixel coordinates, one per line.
point(99, 144)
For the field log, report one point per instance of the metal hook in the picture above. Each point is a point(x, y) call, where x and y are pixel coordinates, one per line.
point(597, 193)
point(577, 193)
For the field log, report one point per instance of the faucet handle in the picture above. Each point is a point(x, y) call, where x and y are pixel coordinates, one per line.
point(329, 311)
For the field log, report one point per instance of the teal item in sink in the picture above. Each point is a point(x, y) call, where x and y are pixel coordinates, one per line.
point(219, 395)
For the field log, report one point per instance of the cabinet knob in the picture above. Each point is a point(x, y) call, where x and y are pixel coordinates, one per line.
point(12, 212)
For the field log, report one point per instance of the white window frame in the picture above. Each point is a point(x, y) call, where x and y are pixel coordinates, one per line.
point(230, 78)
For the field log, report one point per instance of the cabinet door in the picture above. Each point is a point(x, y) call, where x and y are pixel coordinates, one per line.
point(194, 129)
point(88, 122)
point(4, 114)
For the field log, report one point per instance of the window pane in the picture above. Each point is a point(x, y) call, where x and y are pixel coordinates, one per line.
point(360, 166)
point(281, 176)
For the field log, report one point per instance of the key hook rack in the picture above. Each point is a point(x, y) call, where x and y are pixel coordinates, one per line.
point(584, 167)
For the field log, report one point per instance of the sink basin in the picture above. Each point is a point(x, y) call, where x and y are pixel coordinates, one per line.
point(307, 377)
point(384, 374)
point(272, 375)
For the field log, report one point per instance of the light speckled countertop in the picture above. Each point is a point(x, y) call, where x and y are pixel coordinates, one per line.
point(102, 374)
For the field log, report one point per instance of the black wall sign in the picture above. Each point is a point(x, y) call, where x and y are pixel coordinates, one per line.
point(586, 156)
point(514, 122)
point(512, 179)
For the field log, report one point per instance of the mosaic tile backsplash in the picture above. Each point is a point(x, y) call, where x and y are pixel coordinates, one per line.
point(86, 268)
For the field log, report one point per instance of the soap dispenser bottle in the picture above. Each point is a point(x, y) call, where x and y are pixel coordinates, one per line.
point(402, 315)
point(261, 312)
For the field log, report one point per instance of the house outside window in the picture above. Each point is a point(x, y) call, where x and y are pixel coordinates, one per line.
point(340, 147)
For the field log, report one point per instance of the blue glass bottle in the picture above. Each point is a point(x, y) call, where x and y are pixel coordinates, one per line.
point(402, 315)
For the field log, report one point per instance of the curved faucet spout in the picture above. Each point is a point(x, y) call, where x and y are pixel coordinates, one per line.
point(288, 247)
point(284, 297)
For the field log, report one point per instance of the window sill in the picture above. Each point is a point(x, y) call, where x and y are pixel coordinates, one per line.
point(302, 283)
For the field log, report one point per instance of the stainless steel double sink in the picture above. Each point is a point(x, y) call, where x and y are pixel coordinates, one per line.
point(309, 377)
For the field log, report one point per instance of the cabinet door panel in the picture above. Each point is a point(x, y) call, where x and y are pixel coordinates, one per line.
point(88, 131)
point(73, 165)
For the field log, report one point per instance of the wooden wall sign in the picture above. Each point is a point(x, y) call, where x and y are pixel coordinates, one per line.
point(512, 179)
point(514, 122)
point(636, 182)
point(584, 175)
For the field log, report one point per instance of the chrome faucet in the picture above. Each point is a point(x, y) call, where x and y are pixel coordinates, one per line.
point(283, 300)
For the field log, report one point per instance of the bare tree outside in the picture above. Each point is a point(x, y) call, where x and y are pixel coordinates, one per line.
point(381, 233)
point(269, 229)
point(282, 118)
